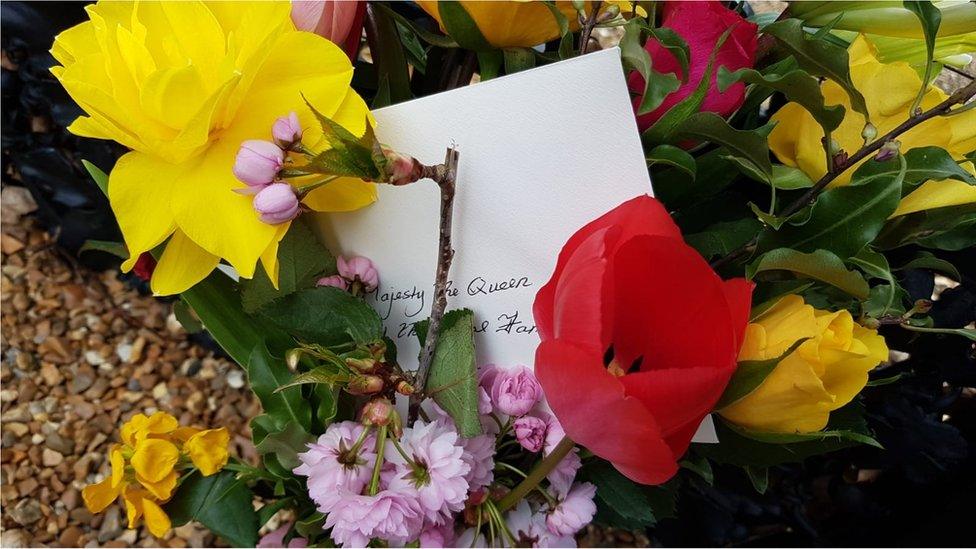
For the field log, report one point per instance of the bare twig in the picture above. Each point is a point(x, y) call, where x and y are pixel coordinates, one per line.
point(587, 26)
point(445, 175)
point(959, 97)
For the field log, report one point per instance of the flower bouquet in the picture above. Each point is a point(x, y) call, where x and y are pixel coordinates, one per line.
point(801, 163)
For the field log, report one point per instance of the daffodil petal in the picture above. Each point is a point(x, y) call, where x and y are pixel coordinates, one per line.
point(139, 190)
point(936, 194)
point(269, 259)
point(181, 266)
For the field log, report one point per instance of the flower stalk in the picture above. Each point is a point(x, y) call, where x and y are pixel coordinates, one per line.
point(538, 473)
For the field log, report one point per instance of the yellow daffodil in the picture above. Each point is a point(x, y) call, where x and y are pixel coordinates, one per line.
point(510, 24)
point(183, 84)
point(885, 17)
point(823, 374)
point(145, 467)
point(889, 90)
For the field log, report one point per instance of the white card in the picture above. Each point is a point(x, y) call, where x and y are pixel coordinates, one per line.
point(542, 153)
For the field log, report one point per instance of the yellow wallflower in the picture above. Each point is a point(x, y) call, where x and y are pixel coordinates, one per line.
point(145, 467)
point(889, 90)
point(514, 23)
point(182, 84)
point(822, 374)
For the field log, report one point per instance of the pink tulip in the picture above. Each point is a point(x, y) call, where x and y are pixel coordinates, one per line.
point(341, 22)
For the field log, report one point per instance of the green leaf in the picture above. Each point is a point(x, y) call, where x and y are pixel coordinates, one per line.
point(776, 221)
point(674, 43)
point(845, 219)
point(117, 249)
point(320, 375)
point(798, 86)
point(327, 316)
point(876, 265)
point(431, 38)
point(967, 333)
point(818, 57)
point(100, 177)
point(700, 466)
point(461, 27)
point(749, 146)
point(262, 426)
point(518, 59)
point(925, 163)
point(217, 305)
point(634, 57)
point(949, 228)
point(819, 265)
point(750, 374)
point(620, 501)
point(267, 511)
point(925, 260)
point(325, 402)
point(302, 260)
point(453, 379)
point(723, 237)
point(310, 526)
point(389, 58)
point(347, 155)
point(184, 315)
point(930, 18)
point(286, 444)
point(758, 476)
point(673, 156)
point(565, 34)
point(266, 375)
point(221, 503)
point(788, 178)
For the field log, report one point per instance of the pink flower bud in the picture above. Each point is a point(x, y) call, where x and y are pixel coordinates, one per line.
point(401, 169)
point(258, 162)
point(379, 412)
point(286, 130)
point(359, 268)
point(515, 392)
point(530, 431)
point(276, 203)
point(335, 281)
point(365, 385)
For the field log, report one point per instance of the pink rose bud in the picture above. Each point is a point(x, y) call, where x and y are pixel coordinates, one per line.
point(530, 431)
point(515, 392)
point(258, 162)
point(335, 281)
point(286, 130)
point(359, 268)
point(277, 203)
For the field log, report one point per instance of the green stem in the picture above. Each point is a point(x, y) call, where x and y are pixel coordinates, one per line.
point(305, 189)
point(512, 468)
point(540, 471)
point(374, 483)
point(362, 438)
point(497, 517)
point(403, 454)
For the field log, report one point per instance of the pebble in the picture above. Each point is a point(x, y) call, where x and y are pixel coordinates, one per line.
point(50, 458)
point(26, 512)
point(235, 379)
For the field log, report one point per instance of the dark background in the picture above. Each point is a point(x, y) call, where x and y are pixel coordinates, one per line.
point(919, 491)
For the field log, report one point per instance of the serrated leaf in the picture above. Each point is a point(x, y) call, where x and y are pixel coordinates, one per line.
point(221, 503)
point(324, 315)
point(845, 219)
point(749, 375)
point(673, 156)
point(747, 145)
point(266, 375)
point(319, 375)
point(621, 501)
point(302, 260)
point(453, 378)
point(818, 57)
point(819, 265)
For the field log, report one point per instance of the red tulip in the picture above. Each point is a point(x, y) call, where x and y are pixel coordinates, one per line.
point(639, 339)
point(340, 21)
point(701, 24)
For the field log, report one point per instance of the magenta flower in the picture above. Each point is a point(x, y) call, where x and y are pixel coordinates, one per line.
point(332, 468)
point(286, 130)
point(334, 281)
point(561, 477)
point(258, 162)
point(276, 539)
point(437, 535)
point(360, 268)
point(437, 474)
point(391, 515)
point(277, 203)
point(530, 432)
point(514, 392)
point(479, 454)
point(574, 510)
point(529, 529)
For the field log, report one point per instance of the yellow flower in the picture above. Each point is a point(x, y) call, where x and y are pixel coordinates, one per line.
point(145, 467)
point(889, 90)
point(182, 84)
point(511, 24)
point(823, 374)
point(887, 18)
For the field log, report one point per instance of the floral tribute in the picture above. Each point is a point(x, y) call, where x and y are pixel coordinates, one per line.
point(803, 165)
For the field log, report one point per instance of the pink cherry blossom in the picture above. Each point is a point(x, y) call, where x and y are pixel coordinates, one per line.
point(391, 515)
point(331, 468)
point(276, 539)
point(530, 431)
point(574, 510)
point(514, 392)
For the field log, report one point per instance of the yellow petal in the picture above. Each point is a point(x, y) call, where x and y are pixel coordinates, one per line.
point(183, 433)
point(847, 377)
point(936, 194)
point(118, 466)
point(133, 505)
point(99, 496)
point(163, 489)
point(74, 43)
point(154, 458)
point(269, 259)
point(182, 265)
point(208, 450)
point(156, 519)
point(512, 24)
point(139, 189)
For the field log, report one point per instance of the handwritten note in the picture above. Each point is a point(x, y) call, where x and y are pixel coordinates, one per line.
point(542, 152)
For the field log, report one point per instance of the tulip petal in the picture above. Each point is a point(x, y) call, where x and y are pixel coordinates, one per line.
point(677, 397)
point(181, 266)
point(593, 410)
point(738, 294)
point(579, 294)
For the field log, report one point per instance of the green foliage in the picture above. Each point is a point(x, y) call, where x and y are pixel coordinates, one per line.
point(950, 228)
point(459, 25)
point(267, 376)
point(819, 265)
point(930, 17)
point(117, 249)
point(302, 260)
point(749, 375)
point(673, 156)
point(621, 502)
point(635, 58)
point(925, 163)
point(100, 177)
point(453, 378)
point(347, 155)
point(748, 147)
point(723, 237)
point(221, 503)
point(326, 316)
point(321, 375)
point(285, 444)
